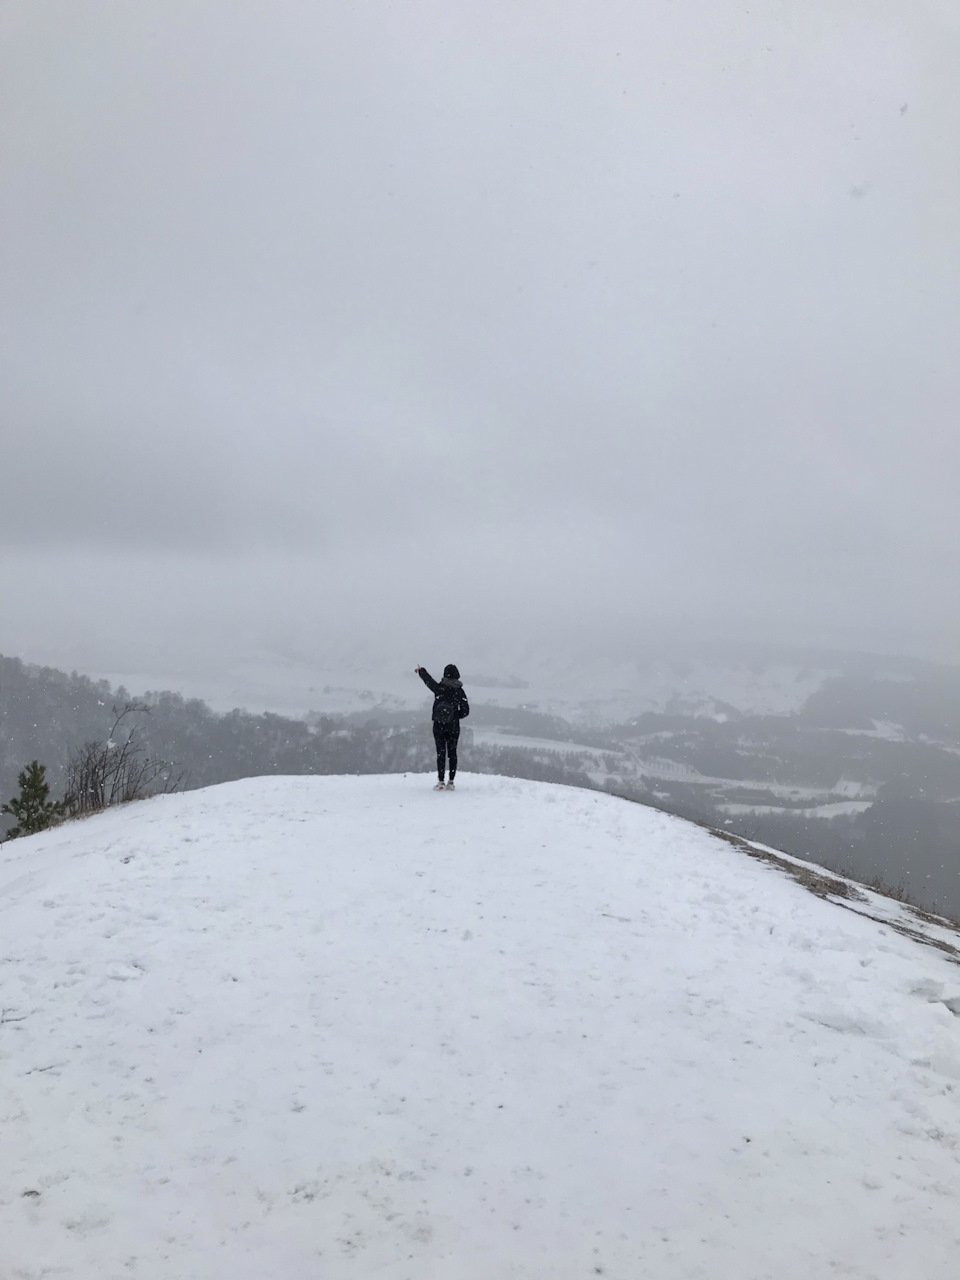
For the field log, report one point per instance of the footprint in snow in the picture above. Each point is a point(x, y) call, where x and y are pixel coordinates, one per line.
point(849, 1024)
point(927, 988)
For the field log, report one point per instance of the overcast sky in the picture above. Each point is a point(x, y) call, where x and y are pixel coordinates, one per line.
point(387, 322)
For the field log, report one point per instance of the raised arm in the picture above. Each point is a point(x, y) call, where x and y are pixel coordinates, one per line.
point(427, 679)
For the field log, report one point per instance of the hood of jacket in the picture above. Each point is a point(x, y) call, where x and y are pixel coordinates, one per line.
point(451, 684)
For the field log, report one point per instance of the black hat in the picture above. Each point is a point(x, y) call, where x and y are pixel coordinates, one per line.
point(451, 672)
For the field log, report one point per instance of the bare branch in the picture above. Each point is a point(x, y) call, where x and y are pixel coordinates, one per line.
point(118, 770)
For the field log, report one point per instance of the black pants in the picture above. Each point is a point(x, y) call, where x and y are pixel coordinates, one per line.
point(445, 736)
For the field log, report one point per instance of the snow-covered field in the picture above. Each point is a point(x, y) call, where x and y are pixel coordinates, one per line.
point(838, 809)
point(327, 1028)
point(495, 738)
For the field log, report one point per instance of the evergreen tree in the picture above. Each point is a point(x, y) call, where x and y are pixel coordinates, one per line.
point(32, 809)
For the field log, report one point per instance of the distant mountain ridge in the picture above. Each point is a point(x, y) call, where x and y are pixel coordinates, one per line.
point(594, 688)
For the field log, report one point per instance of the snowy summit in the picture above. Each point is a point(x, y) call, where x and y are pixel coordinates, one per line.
point(335, 1028)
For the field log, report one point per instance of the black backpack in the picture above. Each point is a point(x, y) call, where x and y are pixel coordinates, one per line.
point(452, 705)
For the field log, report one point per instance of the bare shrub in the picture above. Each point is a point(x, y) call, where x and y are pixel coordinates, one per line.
point(100, 774)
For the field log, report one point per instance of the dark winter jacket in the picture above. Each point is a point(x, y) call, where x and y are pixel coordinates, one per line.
point(450, 704)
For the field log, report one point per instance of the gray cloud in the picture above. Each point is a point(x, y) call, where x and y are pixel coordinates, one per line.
point(648, 312)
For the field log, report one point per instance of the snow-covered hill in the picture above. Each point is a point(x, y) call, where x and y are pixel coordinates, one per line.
point(326, 1028)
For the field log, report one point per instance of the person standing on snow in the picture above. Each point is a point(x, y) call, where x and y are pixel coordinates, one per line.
point(450, 706)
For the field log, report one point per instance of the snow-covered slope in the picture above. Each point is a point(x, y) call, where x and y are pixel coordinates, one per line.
point(327, 1028)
